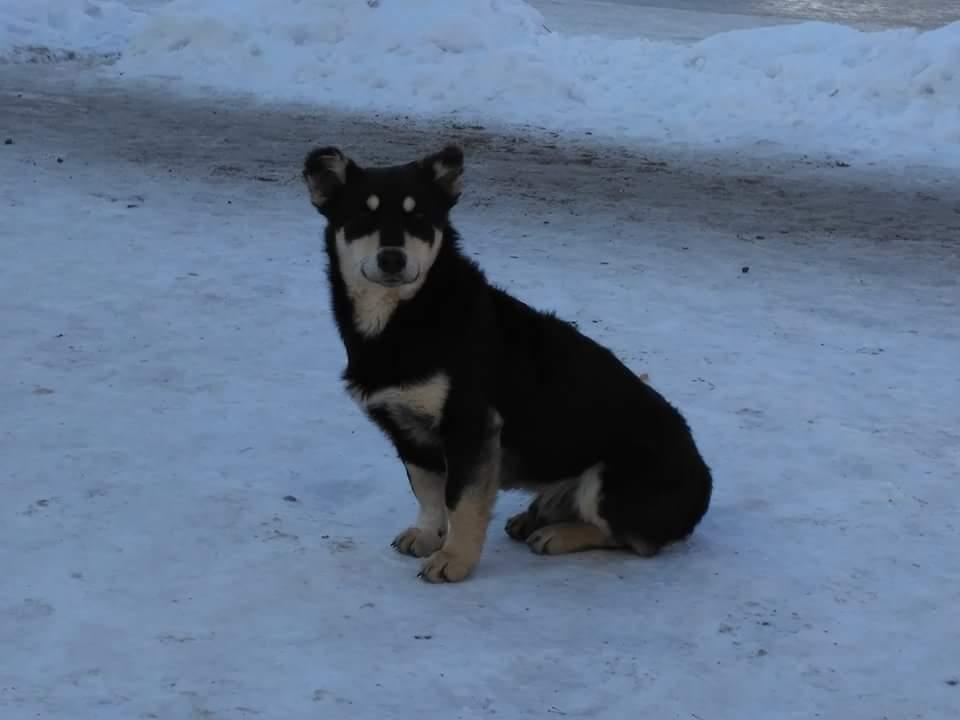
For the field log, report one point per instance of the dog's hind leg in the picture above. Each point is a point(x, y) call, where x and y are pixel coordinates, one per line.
point(426, 535)
point(554, 504)
point(663, 508)
point(566, 518)
point(585, 530)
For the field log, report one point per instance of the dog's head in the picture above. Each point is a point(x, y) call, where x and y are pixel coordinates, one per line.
point(387, 223)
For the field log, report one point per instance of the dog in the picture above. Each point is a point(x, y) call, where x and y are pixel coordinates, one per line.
point(479, 392)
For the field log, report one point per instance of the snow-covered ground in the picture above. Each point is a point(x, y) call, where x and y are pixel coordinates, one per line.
point(195, 520)
point(891, 96)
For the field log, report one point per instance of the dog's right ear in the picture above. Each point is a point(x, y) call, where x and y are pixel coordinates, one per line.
point(445, 170)
point(325, 172)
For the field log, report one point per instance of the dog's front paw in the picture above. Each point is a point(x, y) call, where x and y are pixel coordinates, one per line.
point(444, 566)
point(418, 542)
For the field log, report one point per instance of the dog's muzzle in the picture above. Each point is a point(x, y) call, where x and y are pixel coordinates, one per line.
point(391, 267)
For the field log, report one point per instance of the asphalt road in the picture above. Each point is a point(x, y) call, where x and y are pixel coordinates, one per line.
point(70, 114)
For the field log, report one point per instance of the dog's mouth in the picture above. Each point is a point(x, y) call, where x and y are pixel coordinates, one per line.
point(390, 280)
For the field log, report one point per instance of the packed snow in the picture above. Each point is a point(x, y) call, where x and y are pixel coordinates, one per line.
point(890, 96)
point(195, 519)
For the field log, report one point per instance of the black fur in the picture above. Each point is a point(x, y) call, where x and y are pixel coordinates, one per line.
point(566, 402)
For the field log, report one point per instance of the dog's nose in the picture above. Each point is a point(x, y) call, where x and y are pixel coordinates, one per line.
point(391, 261)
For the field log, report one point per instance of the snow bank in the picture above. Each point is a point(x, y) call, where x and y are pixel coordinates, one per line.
point(811, 87)
point(387, 54)
point(37, 30)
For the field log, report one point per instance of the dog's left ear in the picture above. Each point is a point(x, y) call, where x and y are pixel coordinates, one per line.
point(445, 170)
point(325, 172)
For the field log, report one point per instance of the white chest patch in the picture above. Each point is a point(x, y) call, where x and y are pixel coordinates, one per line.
point(373, 306)
point(417, 409)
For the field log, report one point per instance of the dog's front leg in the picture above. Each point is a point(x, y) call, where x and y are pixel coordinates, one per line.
point(426, 536)
point(473, 478)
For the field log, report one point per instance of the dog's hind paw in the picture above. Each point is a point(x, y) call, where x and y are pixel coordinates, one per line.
point(541, 540)
point(520, 526)
point(569, 537)
point(444, 566)
point(418, 542)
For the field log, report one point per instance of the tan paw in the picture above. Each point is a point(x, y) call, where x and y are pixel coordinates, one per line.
point(540, 541)
point(444, 566)
point(418, 542)
point(568, 538)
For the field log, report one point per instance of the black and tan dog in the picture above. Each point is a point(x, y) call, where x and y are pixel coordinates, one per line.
point(480, 392)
